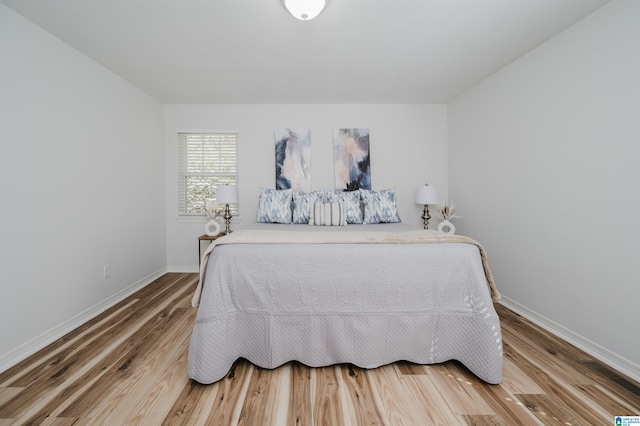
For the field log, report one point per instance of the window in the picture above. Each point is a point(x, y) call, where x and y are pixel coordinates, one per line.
point(205, 161)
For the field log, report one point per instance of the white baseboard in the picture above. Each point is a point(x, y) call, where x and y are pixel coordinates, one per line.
point(27, 349)
point(183, 269)
point(606, 356)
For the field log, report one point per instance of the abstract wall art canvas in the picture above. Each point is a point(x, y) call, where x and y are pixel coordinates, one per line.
point(293, 159)
point(352, 166)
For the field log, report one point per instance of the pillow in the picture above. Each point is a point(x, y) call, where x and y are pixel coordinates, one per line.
point(274, 205)
point(351, 201)
point(380, 206)
point(332, 214)
point(303, 204)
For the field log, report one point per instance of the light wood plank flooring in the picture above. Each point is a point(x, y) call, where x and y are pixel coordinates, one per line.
point(128, 366)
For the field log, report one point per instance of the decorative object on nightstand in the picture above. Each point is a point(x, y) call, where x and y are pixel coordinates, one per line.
point(446, 212)
point(227, 194)
point(426, 195)
point(213, 226)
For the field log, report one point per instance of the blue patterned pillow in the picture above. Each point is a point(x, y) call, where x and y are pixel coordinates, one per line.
point(303, 203)
point(380, 206)
point(351, 201)
point(274, 205)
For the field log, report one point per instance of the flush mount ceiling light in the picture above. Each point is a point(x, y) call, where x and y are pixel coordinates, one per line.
point(304, 10)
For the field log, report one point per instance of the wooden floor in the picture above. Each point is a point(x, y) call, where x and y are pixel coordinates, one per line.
point(128, 366)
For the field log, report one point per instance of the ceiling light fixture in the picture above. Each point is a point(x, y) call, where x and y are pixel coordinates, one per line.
point(305, 10)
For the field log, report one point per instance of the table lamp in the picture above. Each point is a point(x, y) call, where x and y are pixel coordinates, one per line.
point(426, 195)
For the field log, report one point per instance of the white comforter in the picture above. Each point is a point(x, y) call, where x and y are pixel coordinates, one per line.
point(363, 299)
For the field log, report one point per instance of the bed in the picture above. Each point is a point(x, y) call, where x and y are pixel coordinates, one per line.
point(368, 295)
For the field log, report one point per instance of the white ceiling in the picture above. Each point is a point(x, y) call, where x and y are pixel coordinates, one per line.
point(253, 51)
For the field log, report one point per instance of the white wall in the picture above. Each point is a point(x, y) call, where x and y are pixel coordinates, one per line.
point(543, 164)
point(81, 185)
point(408, 145)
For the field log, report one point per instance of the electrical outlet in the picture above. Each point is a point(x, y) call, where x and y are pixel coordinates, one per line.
point(107, 271)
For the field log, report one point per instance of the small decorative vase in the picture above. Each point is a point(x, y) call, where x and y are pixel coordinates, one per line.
point(212, 228)
point(446, 227)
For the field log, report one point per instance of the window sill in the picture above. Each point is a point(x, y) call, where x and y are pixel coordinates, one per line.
point(203, 219)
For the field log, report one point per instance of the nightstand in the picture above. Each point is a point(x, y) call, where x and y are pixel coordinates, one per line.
point(209, 238)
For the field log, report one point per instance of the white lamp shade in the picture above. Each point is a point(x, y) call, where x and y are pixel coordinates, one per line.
point(426, 195)
point(227, 194)
point(304, 9)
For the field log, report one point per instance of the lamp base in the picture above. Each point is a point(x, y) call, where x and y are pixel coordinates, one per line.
point(425, 216)
point(227, 219)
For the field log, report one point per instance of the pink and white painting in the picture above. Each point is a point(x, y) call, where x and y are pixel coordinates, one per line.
point(352, 166)
point(293, 159)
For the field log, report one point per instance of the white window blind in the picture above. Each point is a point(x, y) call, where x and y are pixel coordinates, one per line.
point(205, 161)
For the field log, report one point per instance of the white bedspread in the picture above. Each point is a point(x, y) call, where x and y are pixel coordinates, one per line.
point(270, 236)
point(324, 299)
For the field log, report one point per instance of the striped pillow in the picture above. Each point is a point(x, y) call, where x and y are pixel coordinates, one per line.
point(329, 214)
